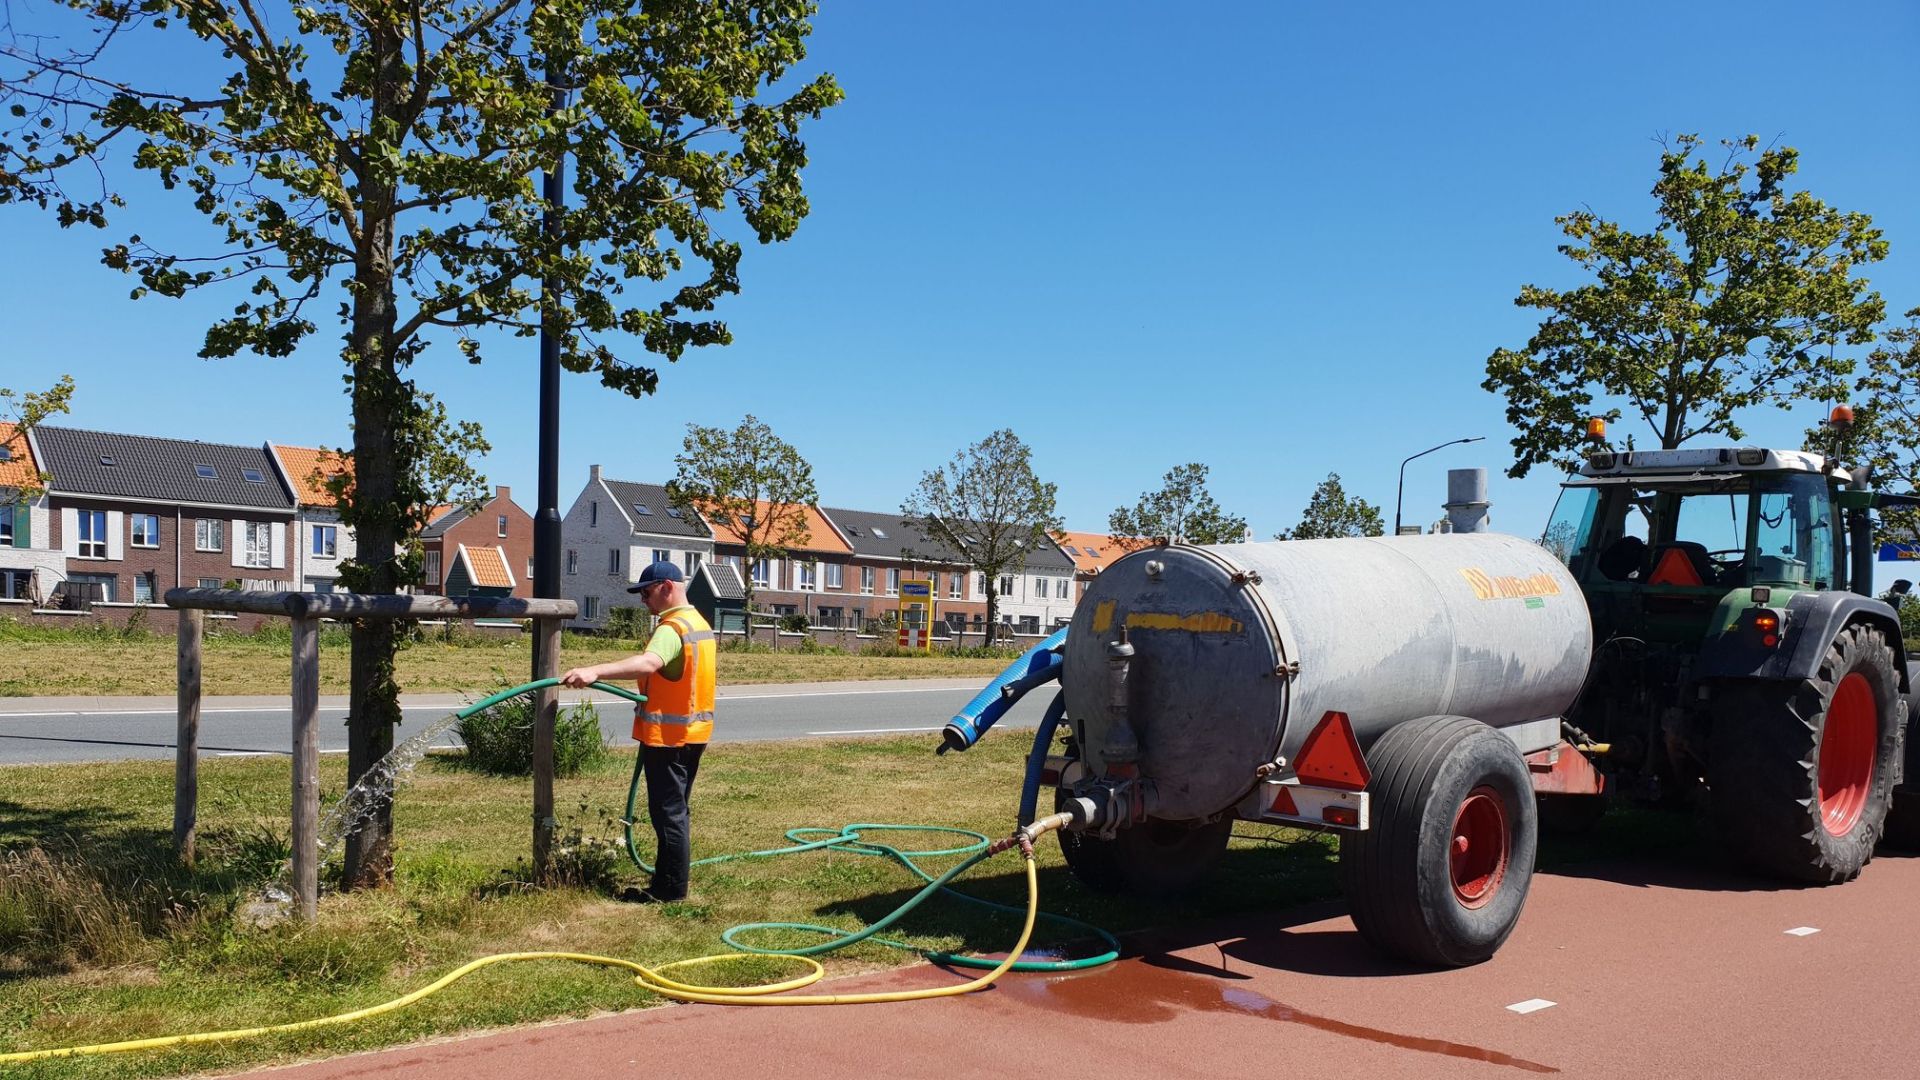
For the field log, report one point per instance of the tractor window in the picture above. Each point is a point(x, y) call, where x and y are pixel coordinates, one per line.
point(1570, 530)
point(1794, 531)
point(1716, 521)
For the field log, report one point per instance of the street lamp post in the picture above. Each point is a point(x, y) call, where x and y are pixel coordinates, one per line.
point(1402, 485)
point(546, 520)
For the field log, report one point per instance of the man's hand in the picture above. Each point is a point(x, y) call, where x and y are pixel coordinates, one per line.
point(581, 677)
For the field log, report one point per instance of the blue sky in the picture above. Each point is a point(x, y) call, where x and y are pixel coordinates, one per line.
point(1276, 238)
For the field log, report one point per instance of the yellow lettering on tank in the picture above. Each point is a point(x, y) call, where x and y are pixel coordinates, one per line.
point(1103, 617)
point(1206, 622)
point(1507, 586)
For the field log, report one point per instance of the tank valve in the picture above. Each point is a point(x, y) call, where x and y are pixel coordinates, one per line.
point(1121, 747)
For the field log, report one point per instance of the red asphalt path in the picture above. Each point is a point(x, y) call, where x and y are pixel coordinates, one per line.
point(1654, 969)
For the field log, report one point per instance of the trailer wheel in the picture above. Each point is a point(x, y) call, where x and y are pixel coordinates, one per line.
point(1441, 876)
point(1802, 773)
point(1151, 858)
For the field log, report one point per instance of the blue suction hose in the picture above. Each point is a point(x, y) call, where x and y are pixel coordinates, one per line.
point(1037, 665)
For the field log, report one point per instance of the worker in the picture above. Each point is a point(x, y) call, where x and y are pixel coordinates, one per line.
point(676, 673)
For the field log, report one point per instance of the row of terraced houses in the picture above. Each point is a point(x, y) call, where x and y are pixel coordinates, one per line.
point(127, 517)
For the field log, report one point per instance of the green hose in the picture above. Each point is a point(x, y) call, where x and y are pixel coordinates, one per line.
point(850, 839)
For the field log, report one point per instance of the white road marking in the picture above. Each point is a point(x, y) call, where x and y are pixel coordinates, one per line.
point(1803, 931)
point(873, 731)
point(1531, 1005)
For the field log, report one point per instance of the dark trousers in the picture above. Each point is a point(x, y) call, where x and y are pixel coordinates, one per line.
point(670, 771)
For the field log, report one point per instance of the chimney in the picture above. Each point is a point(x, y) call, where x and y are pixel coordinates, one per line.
point(502, 491)
point(594, 473)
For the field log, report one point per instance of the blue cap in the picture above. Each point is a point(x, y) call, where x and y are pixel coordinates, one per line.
point(660, 571)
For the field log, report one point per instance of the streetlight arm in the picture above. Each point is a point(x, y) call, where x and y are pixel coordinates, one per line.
point(1400, 487)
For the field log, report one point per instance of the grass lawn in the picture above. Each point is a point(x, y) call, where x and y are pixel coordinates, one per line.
point(101, 940)
point(41, 662)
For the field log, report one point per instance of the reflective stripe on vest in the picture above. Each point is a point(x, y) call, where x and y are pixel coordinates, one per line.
point(680, 711)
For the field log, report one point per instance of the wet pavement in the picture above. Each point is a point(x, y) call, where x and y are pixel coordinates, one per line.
point(1618, 969)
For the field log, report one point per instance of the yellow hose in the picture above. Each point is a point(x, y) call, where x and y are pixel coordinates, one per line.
point(651, 978)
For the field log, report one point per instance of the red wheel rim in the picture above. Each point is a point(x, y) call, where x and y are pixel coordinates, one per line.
point(1848, 745)
point(1478, 847)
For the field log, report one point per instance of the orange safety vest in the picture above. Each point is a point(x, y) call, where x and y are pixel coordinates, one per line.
point(680, 711)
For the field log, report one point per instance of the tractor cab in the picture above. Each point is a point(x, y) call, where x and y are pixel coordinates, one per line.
point(1669, 545)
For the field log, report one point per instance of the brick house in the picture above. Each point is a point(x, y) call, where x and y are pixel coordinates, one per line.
point(886, 549)
point(30, 564)
point(612, 531)
point(815, 574)
point(500, 523)
point(1090, 552)
point(320, 543)
point(135, 515)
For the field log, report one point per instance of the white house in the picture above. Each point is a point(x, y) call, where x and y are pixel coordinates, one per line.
point(320, 542)
point(613, 530)
point(1039, 598)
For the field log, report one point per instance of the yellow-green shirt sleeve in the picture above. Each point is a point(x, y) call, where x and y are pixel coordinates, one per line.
point(665, 644)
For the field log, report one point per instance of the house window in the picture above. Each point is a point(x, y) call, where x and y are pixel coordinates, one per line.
point(206, 472)
point(613, 561)
point(643, 509)
point(593, 607)
point(806, 575)
point(259, 543)
point(253, 476)
point(93, 586)
point(6, 525)
point(980, 585)
point(573, 562)
point(529, 568)
point(762, 572)
point(893, 581)
point(866, 580)
point(431, 568)
point(146, 530)
point(593, 513)
point(1029, 624)
point(211, 583)
point(956, 583)
point(326, 541)
point(662, 555)
point(785, 609)
point(879, 532)
point(207, 534)
point(836, 576)
point(1040, 588)
point(1063, 588)
point(93, 534)
point(1006, 585)
point(320, 585)
point(956, 622)
point(693, 562)
point(502, 522)
point(143, 588)
point(827, 616)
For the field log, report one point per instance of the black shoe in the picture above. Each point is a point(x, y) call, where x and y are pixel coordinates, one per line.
point(634, 895)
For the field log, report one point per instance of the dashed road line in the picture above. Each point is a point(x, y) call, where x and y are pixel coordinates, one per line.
point(1531, 1005)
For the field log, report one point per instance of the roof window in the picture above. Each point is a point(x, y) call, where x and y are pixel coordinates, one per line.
point(206, 472)
point(879, 532)
point(673, 511)
point(107, 460)
point(853, 530)
point(642, 508)
point(1072, 550)
point(6, 453)
point(1094, 551)
point(253, 476)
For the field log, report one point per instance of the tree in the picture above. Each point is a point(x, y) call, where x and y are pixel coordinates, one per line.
point(989, 507)
point(384, 154)
point(1182, 510)
point(1330, 512)
point(1886, 430)
point(20, 411)
point(1738, 297)
point(754, 482)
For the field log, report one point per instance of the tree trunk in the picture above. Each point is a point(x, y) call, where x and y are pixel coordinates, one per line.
point(993, 608)
point(382, 401)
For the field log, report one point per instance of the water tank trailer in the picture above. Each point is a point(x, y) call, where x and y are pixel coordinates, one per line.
point(1405, 691)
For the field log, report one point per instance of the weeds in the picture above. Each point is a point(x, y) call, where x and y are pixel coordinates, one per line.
point(500, 739)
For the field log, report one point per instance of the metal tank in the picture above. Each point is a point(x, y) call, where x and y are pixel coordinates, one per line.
point(1238, 650)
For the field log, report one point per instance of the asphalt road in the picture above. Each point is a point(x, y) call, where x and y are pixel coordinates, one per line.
point(98, 729)
point(1672, 966)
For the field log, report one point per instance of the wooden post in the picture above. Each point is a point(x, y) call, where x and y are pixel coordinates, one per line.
point(306, 767)
point(186, 751)
point(546, 708)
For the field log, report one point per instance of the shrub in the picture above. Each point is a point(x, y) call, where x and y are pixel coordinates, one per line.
point(500, 739)
point(629, 622)
point(795, 623)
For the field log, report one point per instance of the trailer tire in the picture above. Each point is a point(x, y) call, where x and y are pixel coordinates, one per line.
point(1150, 858)
point(1443, 873)
point(1802, 773)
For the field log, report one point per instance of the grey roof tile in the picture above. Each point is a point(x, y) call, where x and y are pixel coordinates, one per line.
point(439, 526)
point(900, 539)
point(665, 519)
point(725, 580)
point(160, 470)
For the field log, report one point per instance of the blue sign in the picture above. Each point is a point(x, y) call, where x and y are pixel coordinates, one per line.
point(1900, 552)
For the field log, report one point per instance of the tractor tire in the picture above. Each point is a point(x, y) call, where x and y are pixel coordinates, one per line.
point(1902, 832)
point(1802, 773)
point(1151, 858)
point(1442, 875)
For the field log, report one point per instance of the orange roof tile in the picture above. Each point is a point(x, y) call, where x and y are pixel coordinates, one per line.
point(1090, 552)
point(821, 536)
point(308, 469)
point(487, 566)
point(19, 467)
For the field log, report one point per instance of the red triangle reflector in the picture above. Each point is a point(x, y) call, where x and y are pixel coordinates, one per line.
point(1283, 801)
point(1675, 569)
point(1330, 757)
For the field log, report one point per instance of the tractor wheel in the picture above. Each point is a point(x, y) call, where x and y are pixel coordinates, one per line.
point(1802, 773)
point(1441, 876)
point(1151, 858)
point(1903, 822)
